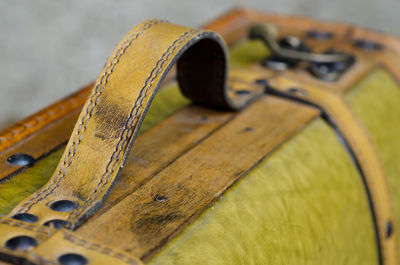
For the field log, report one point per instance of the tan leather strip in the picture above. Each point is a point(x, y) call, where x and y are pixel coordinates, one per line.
point(51, 245)
point(150, 216)
point(364, 150)
point(111, 117)
point(176, 134)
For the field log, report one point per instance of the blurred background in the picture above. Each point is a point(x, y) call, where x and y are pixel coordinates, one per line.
point(49, 49)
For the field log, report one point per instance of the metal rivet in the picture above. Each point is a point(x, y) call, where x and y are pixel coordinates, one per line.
point(72, 259)
point(21, 243)
point(160, 198)
point(319, 35)
point(261, 82)
point(63, 206)
point(248, 129)
point(276, 64)
point(368, 45)
point(242, 92)
point(56, 223)
point(295, 90)
point(389, 229)
point(26, 217)
point(20, 160)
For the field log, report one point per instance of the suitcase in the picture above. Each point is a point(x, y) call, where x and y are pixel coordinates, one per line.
point(260, 139)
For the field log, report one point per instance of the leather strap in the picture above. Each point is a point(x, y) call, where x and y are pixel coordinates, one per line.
point(112, 115)
point(24, 243)
point(356, 137)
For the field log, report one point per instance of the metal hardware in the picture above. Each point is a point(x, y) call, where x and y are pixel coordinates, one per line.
point(276, 64)
point(389, 229)
point(20, 160)
point(160, 198)
point(319, 35)
point(56, 223)
point(27, 217)
point(72, 259)
point(21, 243)
point(331, 71)
point(268, 33)
point(63, 206)
point(368, 45)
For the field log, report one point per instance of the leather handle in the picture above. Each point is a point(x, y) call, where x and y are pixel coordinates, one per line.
point(115, 109)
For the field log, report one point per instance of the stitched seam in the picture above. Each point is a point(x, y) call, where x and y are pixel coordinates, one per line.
point(72, 238)
point(99, 248)
point(88, 113)
point(26, 226)
point(28, 256)
point(127, 131)
point(42, 118)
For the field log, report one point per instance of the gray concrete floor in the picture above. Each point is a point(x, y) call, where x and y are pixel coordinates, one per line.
point(50, 48)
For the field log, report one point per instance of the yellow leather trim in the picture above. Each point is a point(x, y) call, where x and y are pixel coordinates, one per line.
point(52, 244)
point(358, 140)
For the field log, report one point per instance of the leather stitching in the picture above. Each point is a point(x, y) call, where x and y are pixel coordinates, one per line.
point(26, 226)
point(39, 119)
point(71, 238)
point(128, 128)
point(88, 113)
point(99, 248)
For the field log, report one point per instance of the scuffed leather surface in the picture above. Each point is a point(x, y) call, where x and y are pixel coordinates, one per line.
point(17, 188)
point(112, 115)
point(54, 243)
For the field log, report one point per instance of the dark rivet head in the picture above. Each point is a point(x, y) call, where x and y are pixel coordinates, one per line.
point(368, 45)
point(389, 229)
point(160, 198)
point(295, 90)
point(56, 223)
point(26, 217)
point(21, 243)
point(63, 206)
point(319, 35)
point(248, 129)
point(242, 92)
point(261, 82)
point(20, 160)
point(72, 259)
point(276, 64)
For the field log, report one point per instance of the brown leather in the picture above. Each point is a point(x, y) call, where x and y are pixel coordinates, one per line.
point(111, 118)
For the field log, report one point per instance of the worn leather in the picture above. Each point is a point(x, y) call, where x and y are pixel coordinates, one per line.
point(52, 244)
point(112, 115)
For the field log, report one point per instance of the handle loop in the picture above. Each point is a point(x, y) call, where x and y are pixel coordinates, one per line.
point(114, 111)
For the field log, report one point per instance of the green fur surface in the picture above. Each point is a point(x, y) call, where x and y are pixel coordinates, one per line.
point(376, 102)
point(304, 204)
point(22, 185)
point(248, 52)
point(15, 189)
